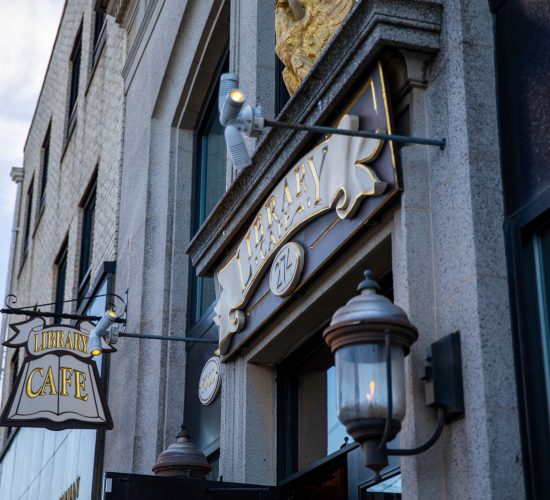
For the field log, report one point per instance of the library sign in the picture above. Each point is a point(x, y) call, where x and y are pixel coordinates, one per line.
point(58, 386)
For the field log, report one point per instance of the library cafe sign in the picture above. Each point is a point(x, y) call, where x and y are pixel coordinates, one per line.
point(342, 182)
point(58, 386)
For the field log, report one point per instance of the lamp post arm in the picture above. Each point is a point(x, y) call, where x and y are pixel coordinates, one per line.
point(167, 337)
point(356, 133)
point(428, 444)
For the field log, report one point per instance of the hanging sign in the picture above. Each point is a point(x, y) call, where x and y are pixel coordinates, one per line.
point(58, 386)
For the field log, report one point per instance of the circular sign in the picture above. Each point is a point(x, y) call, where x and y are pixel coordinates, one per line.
point(286, 269)
point(210, 381)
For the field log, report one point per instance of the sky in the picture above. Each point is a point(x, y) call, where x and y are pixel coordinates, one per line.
point(27, 34)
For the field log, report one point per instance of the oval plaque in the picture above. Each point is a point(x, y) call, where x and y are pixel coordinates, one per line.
point(210, 381)
point(286, 269)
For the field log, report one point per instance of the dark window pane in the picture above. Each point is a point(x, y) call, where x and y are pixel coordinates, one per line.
point(98, 26)
point(99, 23)
point(45, 164)
point(212, 163)
point(86, 244)
point(209, 178)
point(60, 285)
point(204, 296)
point(28, 218)
point(542, 270)
point(75, 78)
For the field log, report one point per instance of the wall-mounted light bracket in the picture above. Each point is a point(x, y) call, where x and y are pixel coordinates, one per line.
point(443, 377)
point(238, 119)
point(444, 391)
point(370, 337)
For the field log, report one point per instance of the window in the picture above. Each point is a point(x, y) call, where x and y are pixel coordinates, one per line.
point(74, 80)
point(99, 36)
point(86, 243)
point(61, 265)
point(541, 246)
point(308, 425)
point(316, 458)
point(209, 183)
point(45, 163)
point(28, 214)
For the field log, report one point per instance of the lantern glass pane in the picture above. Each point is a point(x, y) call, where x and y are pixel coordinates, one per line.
point(361, 382)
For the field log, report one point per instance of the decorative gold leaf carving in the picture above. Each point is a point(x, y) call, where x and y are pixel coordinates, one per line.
point(302, 29)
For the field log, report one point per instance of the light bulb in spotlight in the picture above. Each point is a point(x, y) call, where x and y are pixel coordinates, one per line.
point(236, 96)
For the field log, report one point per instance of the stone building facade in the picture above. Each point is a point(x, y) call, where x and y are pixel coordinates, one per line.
point(65, 227)
point(441, 243)
point(196, 242)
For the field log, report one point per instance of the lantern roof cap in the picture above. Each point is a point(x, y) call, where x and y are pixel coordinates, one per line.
point(367, 317)
point(182, 459)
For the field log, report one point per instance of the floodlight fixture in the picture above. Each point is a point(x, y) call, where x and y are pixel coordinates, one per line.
point(236, 147)
point(238, 119)
point(100, 331)
point(228, 82)
point(232, 106)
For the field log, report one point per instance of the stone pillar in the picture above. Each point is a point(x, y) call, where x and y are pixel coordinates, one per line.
point(248, 428)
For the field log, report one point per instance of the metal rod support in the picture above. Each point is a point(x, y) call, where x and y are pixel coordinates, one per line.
point(45, 314)
point(441, 143)
point(167, 337)
point(428, 444)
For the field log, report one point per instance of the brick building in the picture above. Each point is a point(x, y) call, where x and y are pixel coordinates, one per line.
point(66, 221)
point(197, 243)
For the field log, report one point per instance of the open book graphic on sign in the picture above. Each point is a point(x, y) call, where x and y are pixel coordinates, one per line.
point(58, 386)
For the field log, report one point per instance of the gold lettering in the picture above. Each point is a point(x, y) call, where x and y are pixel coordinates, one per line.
point(69, 343)
point(79, 389)
point(78, 342)
point(285, 209)
point(288, 196)
point(85, 343)
point(300, 173)
point(49, 382)
point(59, 339)
point(30, 392)
point(36, 346)
point(272, 214)
point(315, 180)
point(51, 339)
point(259, 234)
point(65, 381)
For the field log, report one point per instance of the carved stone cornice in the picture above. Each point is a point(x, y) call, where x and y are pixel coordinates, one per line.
point(115, 8)
point(16, 174)
point(371, 27)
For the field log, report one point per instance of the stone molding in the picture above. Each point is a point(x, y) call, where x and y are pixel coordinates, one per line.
point(372, 26)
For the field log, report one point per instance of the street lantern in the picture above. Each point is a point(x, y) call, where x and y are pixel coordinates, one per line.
point(369, 338)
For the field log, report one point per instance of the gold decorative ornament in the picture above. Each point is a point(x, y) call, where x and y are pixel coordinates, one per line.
point(302, 29)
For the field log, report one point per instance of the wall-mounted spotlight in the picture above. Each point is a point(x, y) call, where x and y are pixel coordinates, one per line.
point(100, 331)
point(370, 337)
point(239, 119)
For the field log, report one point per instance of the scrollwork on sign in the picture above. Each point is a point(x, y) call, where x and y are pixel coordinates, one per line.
point(334, 175)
